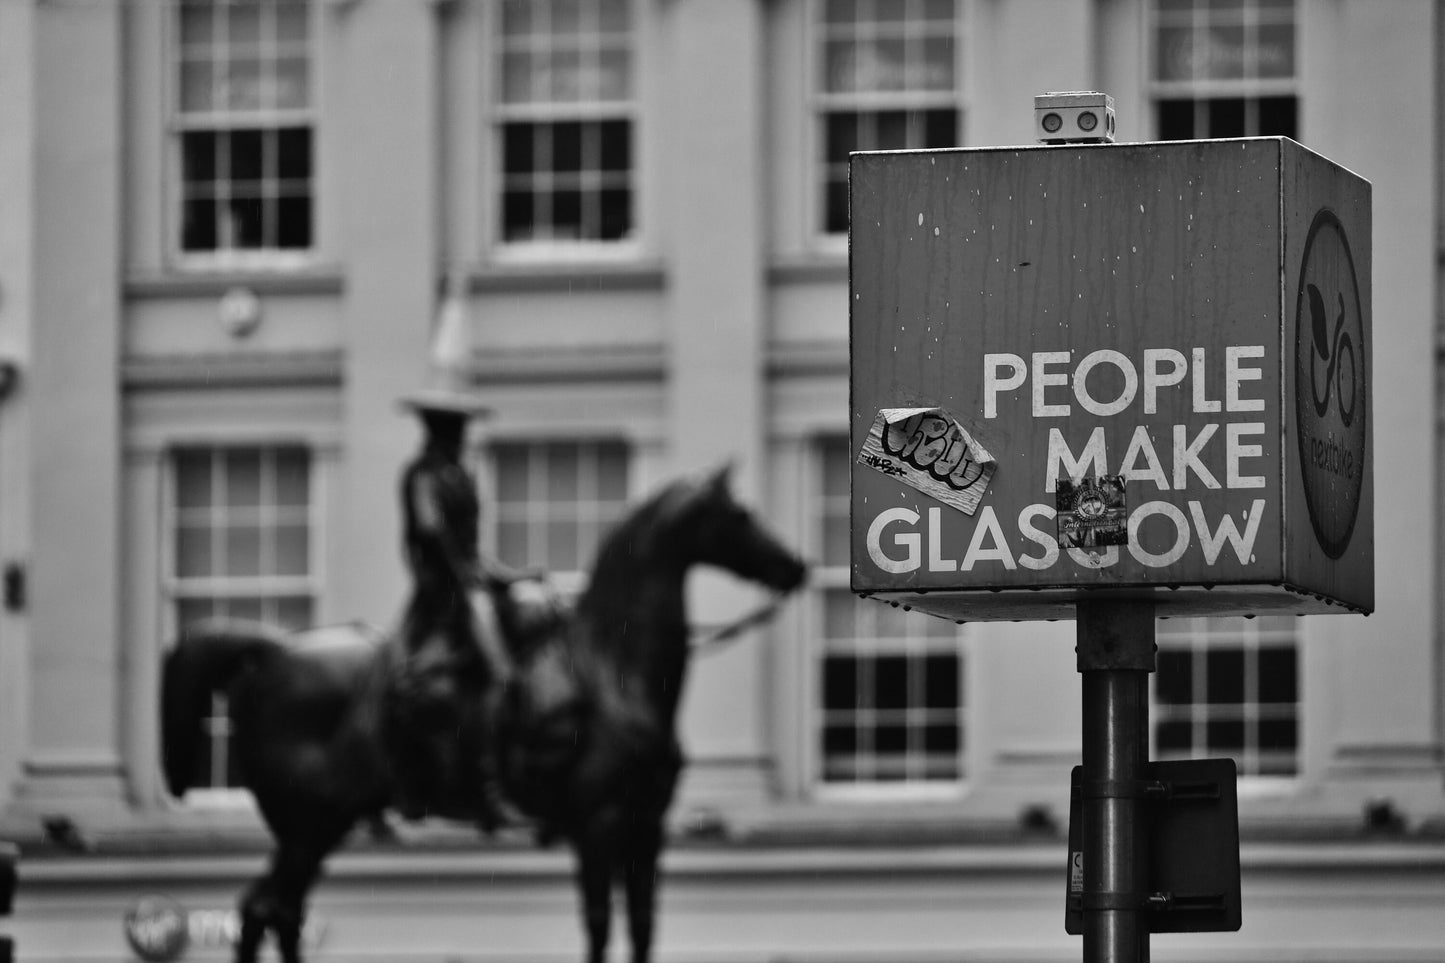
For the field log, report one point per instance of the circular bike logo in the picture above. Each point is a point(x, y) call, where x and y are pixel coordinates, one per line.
point(157, 929)
point(1331, 374)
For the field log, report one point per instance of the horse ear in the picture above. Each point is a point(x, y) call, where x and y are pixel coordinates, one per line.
point(720, 478)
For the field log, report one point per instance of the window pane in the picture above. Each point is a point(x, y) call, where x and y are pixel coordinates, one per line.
point(243, 550)
point(566, 16)
point(242, 470)
point(614, 80)
point(1226, 117)
point(1279, 735)
point(612, 16)
point(937, 66)
point(562, 546)
point(890, 131)
point(567, 214)
point(244, 86)
point(840, 11)
point(941, 682)
point(193, 479)
point(612, 473)
point(293, 222)
point(518, 73)
point(616, 146)
point(198, 157)
point(840, 682)
point(1173, 738)
point(243, 23)
point(1225, 53)
point(1277, 117)
point(1277, 676)
point(246, 155)
point(891, 682)
point(198, 85)
point(293, 544)
point(517, 17)
point(940, 129)
point(292, 84)
point(291, 24)
point(512, 543)
point(189, 611)
point(294, 613)
point(1174, 680)
point(1225, 675)
point(194, 551)
point(1176, 120)
point(567, 147)
point(837, 540)
point(616, 215)
point(566, 80)
point(197, 22)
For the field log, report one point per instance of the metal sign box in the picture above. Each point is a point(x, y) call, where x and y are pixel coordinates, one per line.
point(1142, 368)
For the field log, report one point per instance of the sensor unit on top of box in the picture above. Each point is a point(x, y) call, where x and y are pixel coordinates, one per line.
point(1074, 117)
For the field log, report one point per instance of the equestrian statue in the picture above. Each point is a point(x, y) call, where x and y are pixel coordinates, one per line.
point(493, 701)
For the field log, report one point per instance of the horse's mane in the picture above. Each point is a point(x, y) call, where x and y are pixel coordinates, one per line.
point(633, 538)
point(637, 532)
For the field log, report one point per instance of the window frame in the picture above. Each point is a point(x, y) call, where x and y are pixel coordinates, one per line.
point(495, 113)
point(1199, 641)
point(175, 125)
point(1201, 90)
point(824, 578)
point(819, 102)
point(172, 590)
point(570, 582)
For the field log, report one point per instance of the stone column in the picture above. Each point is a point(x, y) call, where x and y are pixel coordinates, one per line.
point(72, 761)
point(389, 199)
point(713, 229)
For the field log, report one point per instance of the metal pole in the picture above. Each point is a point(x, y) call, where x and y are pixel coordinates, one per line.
point(1115, 656)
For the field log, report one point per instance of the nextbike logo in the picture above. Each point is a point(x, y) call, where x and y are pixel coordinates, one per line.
point(161, 930)
point(1331, 383)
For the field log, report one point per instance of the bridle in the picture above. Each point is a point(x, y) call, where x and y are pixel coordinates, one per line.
point(707, 639)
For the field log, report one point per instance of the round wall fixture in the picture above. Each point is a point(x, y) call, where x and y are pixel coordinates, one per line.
point(240, 312)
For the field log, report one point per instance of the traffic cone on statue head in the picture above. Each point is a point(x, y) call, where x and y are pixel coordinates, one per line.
point(448, 388)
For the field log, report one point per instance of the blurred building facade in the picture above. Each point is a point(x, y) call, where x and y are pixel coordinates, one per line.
point(225, 231)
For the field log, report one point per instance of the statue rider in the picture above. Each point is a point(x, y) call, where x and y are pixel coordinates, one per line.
point(464, 614)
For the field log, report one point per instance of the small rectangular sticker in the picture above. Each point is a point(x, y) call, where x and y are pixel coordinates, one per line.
point(1091, 512)
point(927, 449)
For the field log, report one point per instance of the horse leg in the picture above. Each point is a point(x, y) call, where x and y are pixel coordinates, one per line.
point(255, 913)
point(277, 901)
point(297, 869)
point(594, 878)
point(644, 846)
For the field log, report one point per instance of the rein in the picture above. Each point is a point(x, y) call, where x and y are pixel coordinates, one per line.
point(705, 641)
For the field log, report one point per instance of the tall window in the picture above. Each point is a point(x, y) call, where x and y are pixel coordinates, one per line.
point(890, 683)
point(565, 121)
point(555, 500)
point(243, 124)
point(1229, 687)
point(1225, 68)
point(240, 539)
point(886, 77)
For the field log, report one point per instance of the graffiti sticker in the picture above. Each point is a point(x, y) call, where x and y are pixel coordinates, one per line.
point(927, 449)
point(1091, 512)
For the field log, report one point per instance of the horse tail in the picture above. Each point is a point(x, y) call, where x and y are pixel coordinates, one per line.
point(209, 656)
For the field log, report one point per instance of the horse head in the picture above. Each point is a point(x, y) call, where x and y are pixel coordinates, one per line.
point(719, 531)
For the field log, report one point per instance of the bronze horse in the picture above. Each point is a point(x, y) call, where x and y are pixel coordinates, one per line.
point(590, 748)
